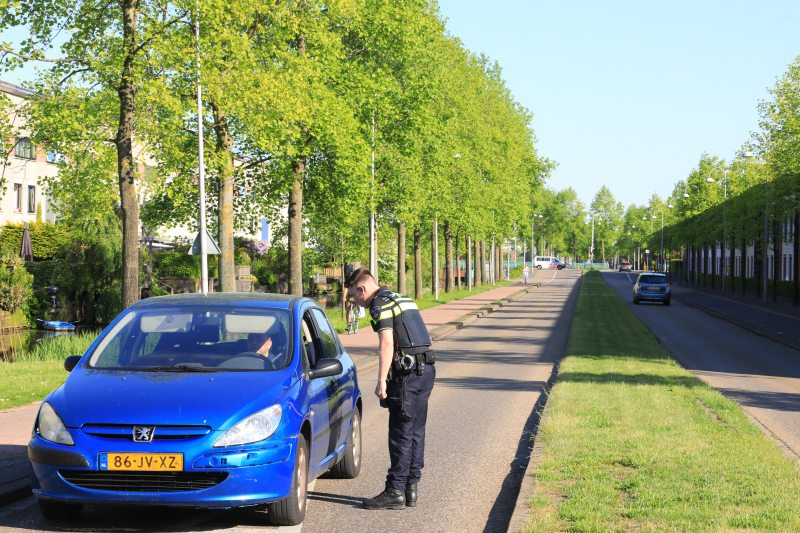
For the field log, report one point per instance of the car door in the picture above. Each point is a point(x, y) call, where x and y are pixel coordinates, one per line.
point(345, 384)
point(321, 392)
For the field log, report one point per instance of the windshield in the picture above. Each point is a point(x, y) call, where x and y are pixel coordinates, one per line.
point(196, 338)
point(652, 280)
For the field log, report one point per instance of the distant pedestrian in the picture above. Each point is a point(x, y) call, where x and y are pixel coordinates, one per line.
point(406, 373)
point(525, 273)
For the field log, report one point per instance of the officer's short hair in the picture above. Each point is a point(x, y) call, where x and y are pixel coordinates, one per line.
point(358, 277)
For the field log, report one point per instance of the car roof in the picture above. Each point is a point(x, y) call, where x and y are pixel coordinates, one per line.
point(279, 301)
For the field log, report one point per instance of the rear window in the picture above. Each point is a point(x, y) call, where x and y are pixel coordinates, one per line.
point(652, 280)
point(195, 338)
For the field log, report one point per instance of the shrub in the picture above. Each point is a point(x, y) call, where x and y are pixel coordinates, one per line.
point(241, 257)
point(178, 265)
point(16, 287)
point(46, 239)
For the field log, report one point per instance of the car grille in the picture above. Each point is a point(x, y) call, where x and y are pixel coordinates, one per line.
point(143, 481)
point(125, 431)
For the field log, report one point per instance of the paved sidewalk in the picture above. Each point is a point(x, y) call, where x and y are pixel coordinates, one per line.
point(365, 342)
point(777, 321)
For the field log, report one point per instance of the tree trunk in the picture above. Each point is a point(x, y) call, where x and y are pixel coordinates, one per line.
point(476, 275)
point(757, 270)
point(468, 262)
point(126, 169)
point(743, 267)
point(434, 259)
point(777, 250)
point(483, 262)
point(498, 252)
point(224, 147)
point(603, 247)
point(449, 281)
point(458, 264)
point(713, 265)
point(296, 228)
point(401, 257)
point(417, 264)
point(344, 289)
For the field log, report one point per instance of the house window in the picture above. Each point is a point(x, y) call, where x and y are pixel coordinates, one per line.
point(18, 197)
point(31, 198)
point(24, 149)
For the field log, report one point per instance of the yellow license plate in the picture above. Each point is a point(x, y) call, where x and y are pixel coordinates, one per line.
point(653, 288)
point(170, 462)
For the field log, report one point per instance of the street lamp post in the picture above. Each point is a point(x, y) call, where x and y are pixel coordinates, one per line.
point(724, 185)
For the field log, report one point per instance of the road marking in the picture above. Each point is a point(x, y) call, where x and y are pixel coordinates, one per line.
point(551, 279)
point(19, 506)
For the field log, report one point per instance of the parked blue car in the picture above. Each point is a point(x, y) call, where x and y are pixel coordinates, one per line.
point(218, 400)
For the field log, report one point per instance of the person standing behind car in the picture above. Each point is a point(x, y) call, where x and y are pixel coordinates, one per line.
point(406, 374)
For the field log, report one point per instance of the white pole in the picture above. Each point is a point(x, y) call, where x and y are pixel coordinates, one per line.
point(373, 256)
point(201, 169)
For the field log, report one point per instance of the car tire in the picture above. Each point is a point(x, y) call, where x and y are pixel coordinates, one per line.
point(666, 302)
point(636, 301)
point(349, 466)
point(559, 267)
point(538, 267)
point(291, 510)
point(60, 511)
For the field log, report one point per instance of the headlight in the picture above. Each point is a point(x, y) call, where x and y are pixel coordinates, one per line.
point(50, 427)
point(254, 428)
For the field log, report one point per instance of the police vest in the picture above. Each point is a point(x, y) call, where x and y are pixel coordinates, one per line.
point(409, 329)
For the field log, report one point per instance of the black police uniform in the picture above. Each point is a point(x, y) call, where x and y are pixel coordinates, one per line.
point(407, 391)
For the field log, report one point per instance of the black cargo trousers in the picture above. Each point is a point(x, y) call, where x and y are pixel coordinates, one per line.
point(407, 438)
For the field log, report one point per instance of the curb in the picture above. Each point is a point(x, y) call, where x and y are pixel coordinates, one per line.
point(739, 323)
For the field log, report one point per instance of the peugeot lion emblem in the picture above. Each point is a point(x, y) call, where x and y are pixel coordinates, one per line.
point(143, 433)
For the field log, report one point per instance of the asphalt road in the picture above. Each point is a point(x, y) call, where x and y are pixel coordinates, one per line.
point(490, 376)
point(760, 375)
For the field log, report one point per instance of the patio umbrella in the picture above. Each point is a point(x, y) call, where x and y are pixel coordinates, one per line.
point(27, 250)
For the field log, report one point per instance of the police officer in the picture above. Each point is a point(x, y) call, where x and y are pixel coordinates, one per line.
point(406, 373)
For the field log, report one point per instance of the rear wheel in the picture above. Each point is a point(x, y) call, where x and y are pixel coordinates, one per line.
point(291, 510)
point(349, 466)
point(538, 267)
point(59, 511)
point(666, 302)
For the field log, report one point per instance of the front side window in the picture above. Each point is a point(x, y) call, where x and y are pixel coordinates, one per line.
point(328, 336)
point(31, 198)
point(194, 338)
point(24, 149)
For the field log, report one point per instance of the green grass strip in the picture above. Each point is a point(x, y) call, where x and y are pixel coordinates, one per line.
point(633, 442)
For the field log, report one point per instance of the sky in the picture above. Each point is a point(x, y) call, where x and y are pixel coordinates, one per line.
point(631, 94)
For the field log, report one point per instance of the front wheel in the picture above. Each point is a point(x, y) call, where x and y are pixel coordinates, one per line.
point(349, 466)
point(59, 511)
point(559, 267)
point(291, 510)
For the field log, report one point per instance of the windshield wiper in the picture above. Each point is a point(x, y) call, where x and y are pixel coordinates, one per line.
point(180, 367)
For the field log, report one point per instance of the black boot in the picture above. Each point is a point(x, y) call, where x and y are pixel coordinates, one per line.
point(411, 495)
point(388, 499)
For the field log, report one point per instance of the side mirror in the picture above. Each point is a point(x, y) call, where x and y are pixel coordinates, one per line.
point(71, 362)
point(326, 368)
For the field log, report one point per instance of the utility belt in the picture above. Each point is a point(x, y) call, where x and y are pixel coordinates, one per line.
point(405, 364)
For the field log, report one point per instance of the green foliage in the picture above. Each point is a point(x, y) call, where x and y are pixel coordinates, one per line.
point(46, 239)
point(241, 257)
point(60, 347)
point(16, 287)
point(179, 265)
point(264, 275)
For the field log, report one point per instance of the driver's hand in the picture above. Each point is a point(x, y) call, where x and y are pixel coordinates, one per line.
point(380, 389)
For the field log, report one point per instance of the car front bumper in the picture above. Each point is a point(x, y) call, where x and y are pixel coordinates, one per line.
point(268, 481)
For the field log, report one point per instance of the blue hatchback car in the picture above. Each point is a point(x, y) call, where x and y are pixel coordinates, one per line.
point(218, 400)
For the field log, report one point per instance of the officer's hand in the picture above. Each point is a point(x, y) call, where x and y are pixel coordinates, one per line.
point(380, 389)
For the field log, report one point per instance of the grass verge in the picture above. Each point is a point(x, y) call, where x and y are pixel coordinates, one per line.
point(633, 442)
point(24, 383)
point(340, 325)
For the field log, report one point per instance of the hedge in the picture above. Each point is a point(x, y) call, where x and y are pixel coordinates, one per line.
point(46, 239)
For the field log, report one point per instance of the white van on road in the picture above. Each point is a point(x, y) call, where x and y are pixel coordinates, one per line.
point(547, 262)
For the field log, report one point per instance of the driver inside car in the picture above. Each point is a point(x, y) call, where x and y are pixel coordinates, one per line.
point(271, 345)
